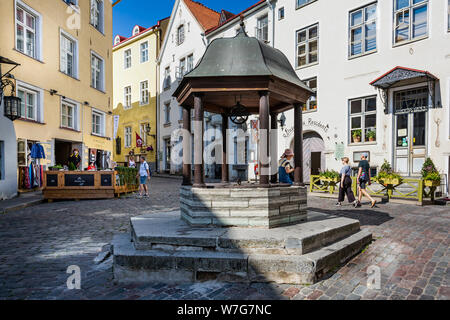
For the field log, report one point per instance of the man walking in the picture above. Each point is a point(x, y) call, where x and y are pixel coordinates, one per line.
point(364, 179)
point(144, 174)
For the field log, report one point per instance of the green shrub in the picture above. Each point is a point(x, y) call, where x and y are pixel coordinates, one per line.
point(329, 174)
point(356, 133)
point(387, 173)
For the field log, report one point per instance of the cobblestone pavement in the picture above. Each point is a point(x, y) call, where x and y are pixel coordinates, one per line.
point(38, 244)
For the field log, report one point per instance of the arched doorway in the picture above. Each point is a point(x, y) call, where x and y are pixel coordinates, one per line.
point(313, 154)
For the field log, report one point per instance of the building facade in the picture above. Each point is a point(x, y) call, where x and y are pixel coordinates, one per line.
point(381, 73)
point(135, 93)
point(65, 80)
point(183, 45)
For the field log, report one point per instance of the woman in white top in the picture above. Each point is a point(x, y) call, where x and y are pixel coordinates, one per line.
point(131, 162)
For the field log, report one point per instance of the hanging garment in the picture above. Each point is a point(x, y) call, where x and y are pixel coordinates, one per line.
point(27, 184)
point(37, 151)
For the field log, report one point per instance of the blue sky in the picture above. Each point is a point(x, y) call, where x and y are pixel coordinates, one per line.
point(146, 13)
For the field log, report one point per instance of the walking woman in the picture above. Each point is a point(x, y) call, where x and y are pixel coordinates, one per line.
point(364, 180)
point(345, 187)
point(285, 167)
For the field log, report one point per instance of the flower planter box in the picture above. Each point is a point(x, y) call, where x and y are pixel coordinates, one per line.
point(431, 183)
point(394, 181)
point(335, 180)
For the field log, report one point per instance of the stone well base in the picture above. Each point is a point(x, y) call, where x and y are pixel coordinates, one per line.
point(243, 207)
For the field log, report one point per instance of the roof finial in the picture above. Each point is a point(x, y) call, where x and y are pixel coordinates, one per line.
point(242, 24)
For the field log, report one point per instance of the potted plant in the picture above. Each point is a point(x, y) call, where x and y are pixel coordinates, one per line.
point(56, 168)
point(371, 136)
point(356, 135)
point(387, 176)
point(430, 174)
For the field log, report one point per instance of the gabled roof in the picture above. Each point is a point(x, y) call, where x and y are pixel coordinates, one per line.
point(225, 15)
point(206, 17)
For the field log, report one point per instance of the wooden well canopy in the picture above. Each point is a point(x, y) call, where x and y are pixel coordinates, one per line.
point(247, 71)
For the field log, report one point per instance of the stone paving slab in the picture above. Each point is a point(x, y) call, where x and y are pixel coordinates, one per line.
point(37, 244)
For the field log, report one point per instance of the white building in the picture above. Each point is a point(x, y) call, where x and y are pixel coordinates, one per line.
point(183, 45)
point(382, 74)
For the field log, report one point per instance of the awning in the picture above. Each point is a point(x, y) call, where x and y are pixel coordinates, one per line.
point(8, 61)
point(400, 76)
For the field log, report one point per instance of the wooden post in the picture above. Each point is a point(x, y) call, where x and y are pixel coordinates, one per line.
point(274, 126)
point(199, 179)
point(225, 174)
point(264, 110)
point(298, 145)
point(187, 146)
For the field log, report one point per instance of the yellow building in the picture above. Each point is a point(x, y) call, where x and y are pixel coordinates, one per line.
point(135, 93)
point(64, 48)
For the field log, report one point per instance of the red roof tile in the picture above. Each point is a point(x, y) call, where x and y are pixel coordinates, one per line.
point(207, 17)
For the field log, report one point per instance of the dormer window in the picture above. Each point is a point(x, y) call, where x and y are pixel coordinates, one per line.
point(135, 30)
point(180, 35)
point(116, 40)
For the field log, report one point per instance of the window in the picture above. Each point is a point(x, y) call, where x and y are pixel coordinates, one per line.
point(311, 104)
point(127, 99)
point(143, 133)
point(448, 15)
point(262, 29)
point(29, 103)
point(97, 14)
point(281, 13)
point(167, 80)
point(410, 20)
point(363, 30)
point(27, 30)
point(98, 72)
point(128, 138)
point(190, 63)
point(144, 92)
point(181, 69)
point(307, 46)
point(127, 58)
point(301, 3)
point(2, 160)
point(363, 119)
point(180, 35)
point(144, 52)
point(68, 115)
point(68, 55)
point(98, 123)
point(167, 113)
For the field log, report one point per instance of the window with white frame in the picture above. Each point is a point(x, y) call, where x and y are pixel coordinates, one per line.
point(363, 119)
point(410, 20)
point(68, 115)
point(98, 123)
point(144, 92)
point(68, 55)
point(143, 133)
point(127, 59)
point(29, 104)
point(190, 63)
point(97, 72)
point(27, 30)
point(308, 45)
point(281, 13)
point(363, 30)
point(127, 97)
point(167, 80)
point(311, 104)
point(180, 34)
point(167, 113)
point(301, 3)
point(144, 52)
point(181, 68)
point(262, 29)
point(128, 137)
point(97, 14)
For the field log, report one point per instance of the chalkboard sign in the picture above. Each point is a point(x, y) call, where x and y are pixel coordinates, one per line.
point(79, 180)
point(106, 180)
point(52, 180)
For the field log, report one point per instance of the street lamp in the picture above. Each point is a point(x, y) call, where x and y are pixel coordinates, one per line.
point(12, 103)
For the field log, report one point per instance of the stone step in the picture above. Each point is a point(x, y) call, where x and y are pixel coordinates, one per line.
point(131, 265)
point(166, 231)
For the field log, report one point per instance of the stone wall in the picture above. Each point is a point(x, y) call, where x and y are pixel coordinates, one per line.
point(243, 207)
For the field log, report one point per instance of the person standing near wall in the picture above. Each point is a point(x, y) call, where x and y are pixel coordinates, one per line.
point(143, 175)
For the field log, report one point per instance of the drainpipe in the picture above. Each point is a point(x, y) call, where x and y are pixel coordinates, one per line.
point(158, 64)
point(272, 5)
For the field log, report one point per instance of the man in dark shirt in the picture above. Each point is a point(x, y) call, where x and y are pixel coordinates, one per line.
point(364, 179)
